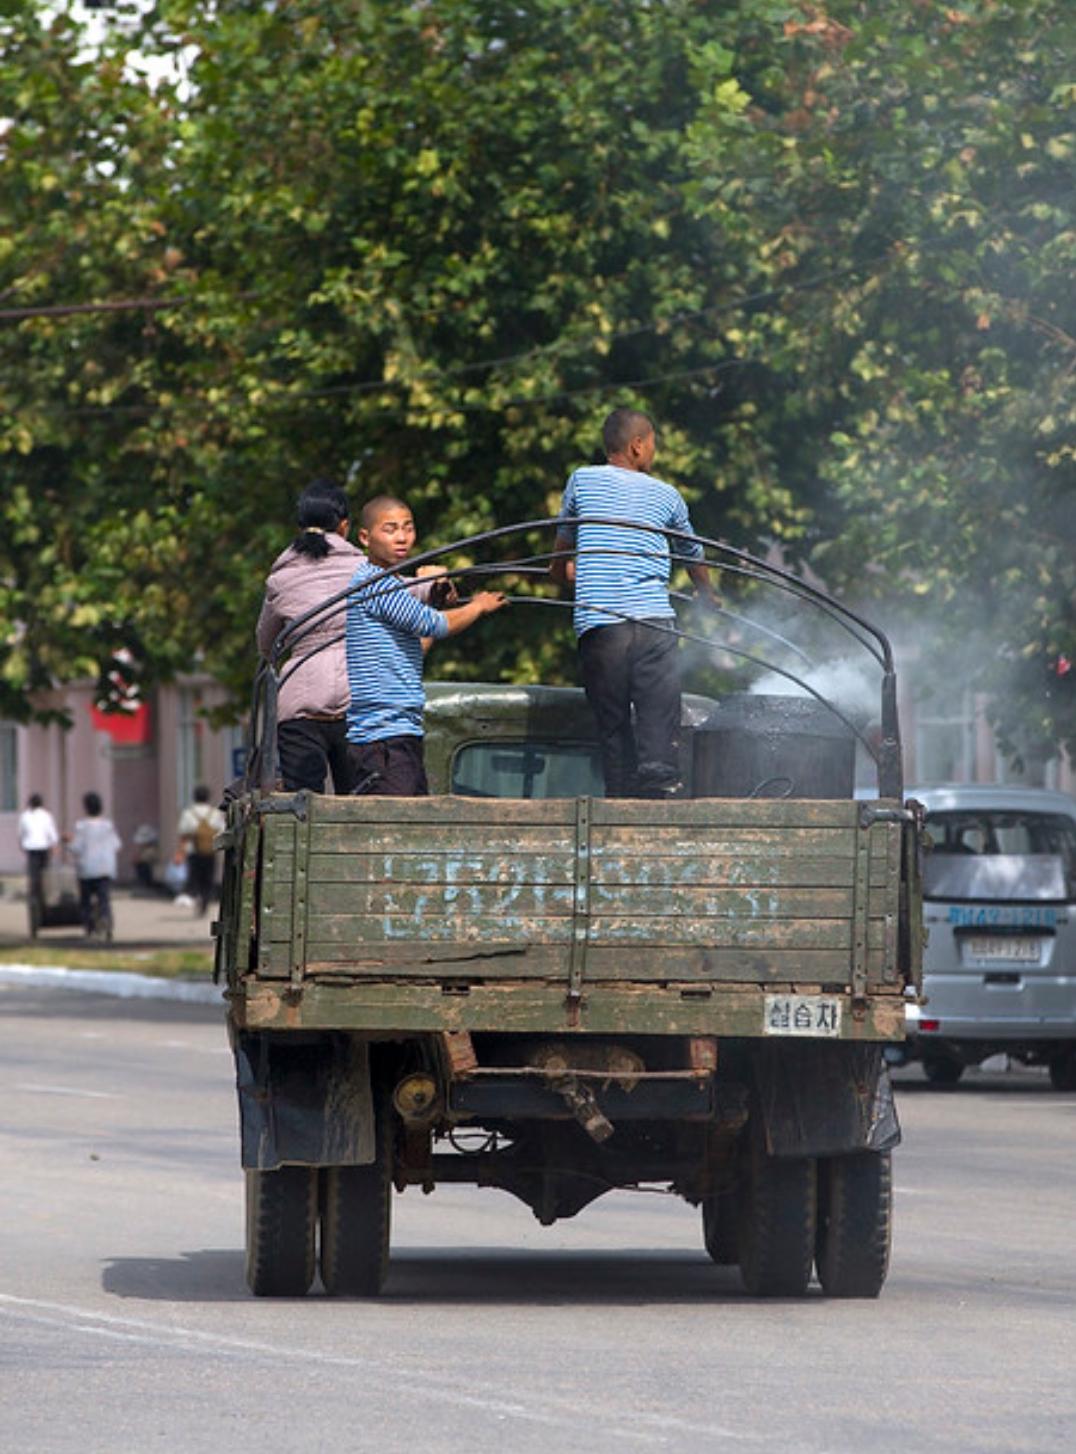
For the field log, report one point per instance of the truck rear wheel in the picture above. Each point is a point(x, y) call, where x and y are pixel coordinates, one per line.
point(356, 1217)
point(775, 1230)
point(855, 1223)
point(719, 1228)
point(282, 1212)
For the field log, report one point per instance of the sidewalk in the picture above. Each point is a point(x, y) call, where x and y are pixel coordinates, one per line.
point(141, 921)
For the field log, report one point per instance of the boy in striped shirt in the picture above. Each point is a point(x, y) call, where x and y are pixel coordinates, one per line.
point(623, 616)
point(386, 626)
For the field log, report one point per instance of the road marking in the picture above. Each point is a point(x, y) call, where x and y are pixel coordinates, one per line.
point(67, 1090)
point(136, 1330)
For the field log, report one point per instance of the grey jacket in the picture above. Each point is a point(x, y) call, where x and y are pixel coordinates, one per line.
point(316, 687)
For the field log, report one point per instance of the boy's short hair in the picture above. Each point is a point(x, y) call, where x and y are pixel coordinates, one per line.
point(622, 426)
point(373, 510)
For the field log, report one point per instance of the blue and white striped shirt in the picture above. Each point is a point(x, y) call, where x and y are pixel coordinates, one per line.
point(618, 568)
point(385, 627)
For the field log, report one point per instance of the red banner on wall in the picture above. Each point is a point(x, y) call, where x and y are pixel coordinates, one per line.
point(131, 728)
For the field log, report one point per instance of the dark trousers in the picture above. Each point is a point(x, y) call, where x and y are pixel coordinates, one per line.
point(633, 665)
point(200, 871)
point(390, 768)
point(94, 903)
point(309, 749)
point(37, 860)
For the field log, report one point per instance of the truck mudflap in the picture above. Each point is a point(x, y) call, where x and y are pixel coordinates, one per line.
point(824, 1099)
point(304, 1102)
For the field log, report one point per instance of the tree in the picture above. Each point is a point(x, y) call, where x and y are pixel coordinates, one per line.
point(428, 246)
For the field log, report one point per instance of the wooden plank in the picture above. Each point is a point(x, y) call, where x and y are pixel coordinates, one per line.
point(700, 812)
point(384, 1009)
point(650, 932)
point(700, 967)
point(799, 871)
point(716, 842)
point(326, 810)
point(432, 900)
point(504, 837)
point(784, 813)
point(704, 902)
point(462, 866)
point(465, 866)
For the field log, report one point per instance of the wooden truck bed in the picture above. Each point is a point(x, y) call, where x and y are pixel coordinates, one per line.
point(571, 914)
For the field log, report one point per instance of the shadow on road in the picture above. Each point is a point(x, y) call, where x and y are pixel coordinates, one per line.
point(425, 1275)
point(210, 1276)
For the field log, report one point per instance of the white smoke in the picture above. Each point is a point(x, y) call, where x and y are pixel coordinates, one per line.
point(849, 685)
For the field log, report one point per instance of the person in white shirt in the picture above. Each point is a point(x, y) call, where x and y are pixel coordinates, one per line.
point(37, 839)
point(199, 824)
point(94, 846)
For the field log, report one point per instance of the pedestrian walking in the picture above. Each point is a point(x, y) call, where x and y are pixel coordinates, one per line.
point(94, 846)
point(37, 838)
point(199, 824)
point(623, 616)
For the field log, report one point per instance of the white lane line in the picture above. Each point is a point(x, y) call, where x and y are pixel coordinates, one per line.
point(440, 1388)
point(67, 1090)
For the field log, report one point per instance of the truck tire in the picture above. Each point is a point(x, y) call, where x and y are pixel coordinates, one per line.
point(719, 1228)
point(1063, 1070)
point(942, 1069)
point(775, 1231)
point(356, 1219)
point(282, 1214)
point(855, 1223)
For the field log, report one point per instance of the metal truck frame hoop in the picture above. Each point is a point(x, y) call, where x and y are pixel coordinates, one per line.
point(287, 654)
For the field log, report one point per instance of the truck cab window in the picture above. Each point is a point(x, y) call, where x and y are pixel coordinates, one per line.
point(527, 770)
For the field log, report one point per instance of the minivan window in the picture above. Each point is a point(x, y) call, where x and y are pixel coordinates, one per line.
point(527, 770)
point(993, 833)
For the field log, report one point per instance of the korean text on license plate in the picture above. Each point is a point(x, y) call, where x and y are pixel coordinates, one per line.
point(1007, 948)
point(814, 1015)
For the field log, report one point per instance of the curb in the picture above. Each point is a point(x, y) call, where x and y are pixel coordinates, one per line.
point(118, 983)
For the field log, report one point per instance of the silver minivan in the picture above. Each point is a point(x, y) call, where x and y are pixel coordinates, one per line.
point(1000, 905)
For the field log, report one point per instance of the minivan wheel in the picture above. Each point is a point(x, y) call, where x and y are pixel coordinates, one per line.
point(1063, 1070)
point(942, 1069)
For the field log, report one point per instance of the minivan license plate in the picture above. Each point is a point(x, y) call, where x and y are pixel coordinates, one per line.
point(1003, 948)
point(815, 1015)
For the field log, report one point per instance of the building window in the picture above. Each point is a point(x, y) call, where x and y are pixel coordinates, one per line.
point(190, 744)
point(945, 743)
point(9, 767)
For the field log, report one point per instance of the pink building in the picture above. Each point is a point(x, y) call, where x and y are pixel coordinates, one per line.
point(145, 767)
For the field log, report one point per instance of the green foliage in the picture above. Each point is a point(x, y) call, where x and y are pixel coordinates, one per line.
point(427, 246)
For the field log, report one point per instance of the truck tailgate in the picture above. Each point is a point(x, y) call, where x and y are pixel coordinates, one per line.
point(577, 894)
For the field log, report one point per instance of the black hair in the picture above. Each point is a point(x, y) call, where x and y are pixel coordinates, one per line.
point(322, 507)
point(36, 800)
point(92, 803)
point(201, 794)
point(622, 426)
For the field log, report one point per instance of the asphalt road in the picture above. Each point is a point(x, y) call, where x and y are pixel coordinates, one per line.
point(125, 1324)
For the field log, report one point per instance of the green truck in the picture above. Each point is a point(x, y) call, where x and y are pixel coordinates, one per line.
point(516, 983)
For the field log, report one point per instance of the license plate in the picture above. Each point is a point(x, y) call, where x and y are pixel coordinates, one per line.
point(813, 1015)
point(1003, 948)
